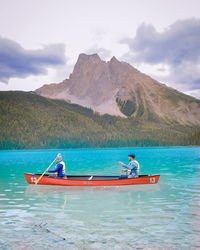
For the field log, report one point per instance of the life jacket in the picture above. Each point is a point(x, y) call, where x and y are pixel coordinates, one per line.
point(63, 169)
point(138, 168)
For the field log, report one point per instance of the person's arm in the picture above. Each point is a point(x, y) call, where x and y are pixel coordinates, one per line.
point(130, 166)
point(124, 165)
point(56, 169)
point(127, 166)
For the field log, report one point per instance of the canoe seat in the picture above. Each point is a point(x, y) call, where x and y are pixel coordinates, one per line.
point(90, 178)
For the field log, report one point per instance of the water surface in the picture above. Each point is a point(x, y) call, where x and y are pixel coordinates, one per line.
point(162, 216)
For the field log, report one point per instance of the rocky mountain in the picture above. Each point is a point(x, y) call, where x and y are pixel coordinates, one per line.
point(117, 88)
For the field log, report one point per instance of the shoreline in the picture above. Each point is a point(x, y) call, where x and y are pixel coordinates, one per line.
point(147, 147)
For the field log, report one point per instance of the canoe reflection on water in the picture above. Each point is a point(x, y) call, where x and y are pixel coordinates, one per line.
point(52, 189)
point(67, 193)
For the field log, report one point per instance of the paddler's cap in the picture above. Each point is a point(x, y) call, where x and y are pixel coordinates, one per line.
point(59, 157)
point(132, 155)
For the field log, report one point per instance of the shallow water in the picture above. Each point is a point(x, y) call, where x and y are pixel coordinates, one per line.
point(162, 216)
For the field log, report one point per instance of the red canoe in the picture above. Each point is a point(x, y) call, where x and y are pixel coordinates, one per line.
point(90, 180)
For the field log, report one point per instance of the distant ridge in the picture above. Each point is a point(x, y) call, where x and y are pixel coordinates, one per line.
point(30, 121)
point(117, 88)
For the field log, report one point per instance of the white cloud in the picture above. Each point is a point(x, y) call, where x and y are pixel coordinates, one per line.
point(177, 48)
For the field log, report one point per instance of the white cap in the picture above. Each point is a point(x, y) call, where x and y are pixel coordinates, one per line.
point(59, 157)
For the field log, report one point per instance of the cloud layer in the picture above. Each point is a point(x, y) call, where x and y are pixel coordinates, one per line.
point(178, 47)
point(15, 61)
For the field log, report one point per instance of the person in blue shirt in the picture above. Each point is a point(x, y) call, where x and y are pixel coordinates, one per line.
point(132, 169)
point(60, 167)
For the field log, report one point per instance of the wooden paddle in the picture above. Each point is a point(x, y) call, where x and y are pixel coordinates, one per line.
point(44, 172)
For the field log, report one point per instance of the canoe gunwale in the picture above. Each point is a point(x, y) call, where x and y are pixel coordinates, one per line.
point(86, 177)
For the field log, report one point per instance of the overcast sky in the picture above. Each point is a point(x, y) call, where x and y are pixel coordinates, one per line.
point(40, 40)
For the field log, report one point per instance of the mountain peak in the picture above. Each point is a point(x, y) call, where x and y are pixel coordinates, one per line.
point(117, 88)
point(114, 59)
point(92, 57)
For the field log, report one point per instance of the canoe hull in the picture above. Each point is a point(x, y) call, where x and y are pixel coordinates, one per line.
point(88, 181)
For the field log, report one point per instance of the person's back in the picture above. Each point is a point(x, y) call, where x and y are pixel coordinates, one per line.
point(60, 167)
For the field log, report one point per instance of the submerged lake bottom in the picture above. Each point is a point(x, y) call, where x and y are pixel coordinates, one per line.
point(161, 216)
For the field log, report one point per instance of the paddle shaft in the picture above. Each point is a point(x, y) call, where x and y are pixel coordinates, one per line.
point(44, 172)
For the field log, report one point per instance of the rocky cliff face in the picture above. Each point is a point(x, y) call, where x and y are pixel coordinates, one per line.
point(117, 88)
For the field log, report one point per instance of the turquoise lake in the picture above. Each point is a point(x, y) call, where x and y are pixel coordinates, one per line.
point(162, 216)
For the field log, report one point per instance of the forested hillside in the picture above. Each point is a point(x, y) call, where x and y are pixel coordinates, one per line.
point(29, 121)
